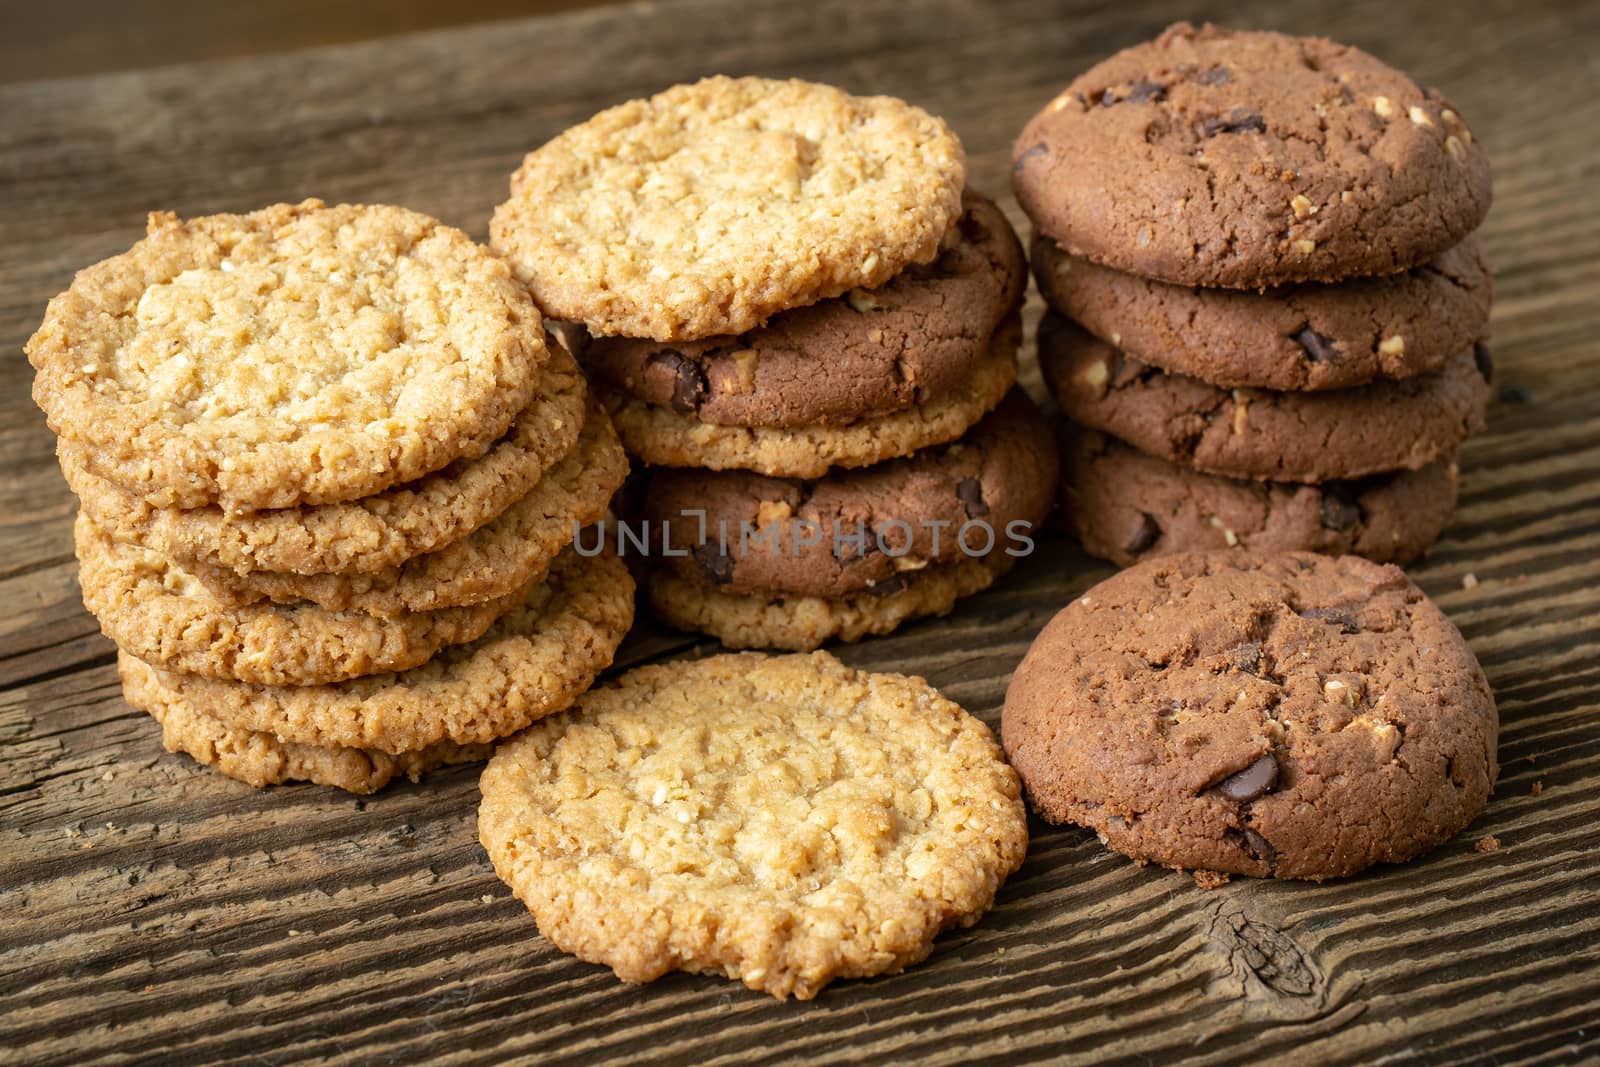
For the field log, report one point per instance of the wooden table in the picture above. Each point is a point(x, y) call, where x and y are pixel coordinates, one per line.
point(155, 911)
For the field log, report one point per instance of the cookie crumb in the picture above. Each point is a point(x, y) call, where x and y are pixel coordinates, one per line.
point(1487, 844)
point(487, 898)
point(1469, 581)
point(1210, 879)
point(1535, 789)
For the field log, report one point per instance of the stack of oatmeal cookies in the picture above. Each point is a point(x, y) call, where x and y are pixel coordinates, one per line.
point(808, 330)
point(329, 472)
point(1268, 305)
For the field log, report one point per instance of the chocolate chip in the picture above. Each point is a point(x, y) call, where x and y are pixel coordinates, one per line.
point(889, 586)
point(1319, 349)
point(716, 564)
point(1344, 620)
point(1147, 533)
point(1215, 76)
point(1485, 362)
point(970, 492)
point(689, 385)
point(1145, 91)
point(1258, 778)
point(1236, 121)
point(1259, 847)
point(1247, 657)
point(1339, 508)
point(1029, 156)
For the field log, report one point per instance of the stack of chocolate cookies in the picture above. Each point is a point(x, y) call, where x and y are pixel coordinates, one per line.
point(808, 330)
point(329, 473)
point(1267, 304)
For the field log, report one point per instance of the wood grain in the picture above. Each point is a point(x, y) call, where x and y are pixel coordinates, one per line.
point(158, 912)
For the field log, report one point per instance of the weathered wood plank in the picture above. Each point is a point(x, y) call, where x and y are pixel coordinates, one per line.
point(156, 910)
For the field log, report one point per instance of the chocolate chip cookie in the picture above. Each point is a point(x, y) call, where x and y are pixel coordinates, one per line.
point(915, 339)
point(853, 530)
point(1250, 159)
point(1251, 433)
point(1295, 716)
point(784, 821)
point(1294, 337)
point(1125, 506)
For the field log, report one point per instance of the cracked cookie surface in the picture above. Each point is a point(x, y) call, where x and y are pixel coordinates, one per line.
point(1125, 506)
point(1250, 159)
point(781, 820)
point(301, 354)
point(1294, 337)
point(1256, 433)
point(709, 207)
point(859, 529)
point(914, 339)
point(534, 661)
point(1291, 715)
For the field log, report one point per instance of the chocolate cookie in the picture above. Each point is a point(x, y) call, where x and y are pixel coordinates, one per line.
point(710, 207)
point(1125, 506)
point(1297, 716)
point(663, 438)
point(1297, 337)
point(801, 623)
point(1213, 157)
point(1253, 433)
point(857, 529)
point(915, 339)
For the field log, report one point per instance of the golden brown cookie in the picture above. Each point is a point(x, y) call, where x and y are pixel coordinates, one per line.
point(260, 759)
point(369, 534)
point(661, 437)
point(489, 563)
point(301, 354)
point(154, 609)
point(781, 820)
point(710, 207)
point(801, 623)
point(533, 662)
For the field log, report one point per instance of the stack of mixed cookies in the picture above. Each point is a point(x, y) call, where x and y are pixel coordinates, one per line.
point(1268, 306)
point(803, 324)
point(329, 473)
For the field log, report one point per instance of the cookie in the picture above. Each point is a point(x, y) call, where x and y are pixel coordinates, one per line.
point(534, 661)
point(260, 759)
point(154, 609)
point(915, 339)
point(1125, 506)
point(1252, 433)
point(1296, 716)
point(491, 562)
point(855, 529)
point(300, 354)
point(708, 208)
point(370, 534)
point(1297, 337)
point(802, 623)
point(780, 820)
point(1250, 159)
point(663, 438)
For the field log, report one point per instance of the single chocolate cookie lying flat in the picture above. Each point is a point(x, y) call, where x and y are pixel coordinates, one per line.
point(1296, 715)
point(856, 529)
point(1255, 433)
point(1305, 336)
point(1246, 160)
point(1125, 506)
